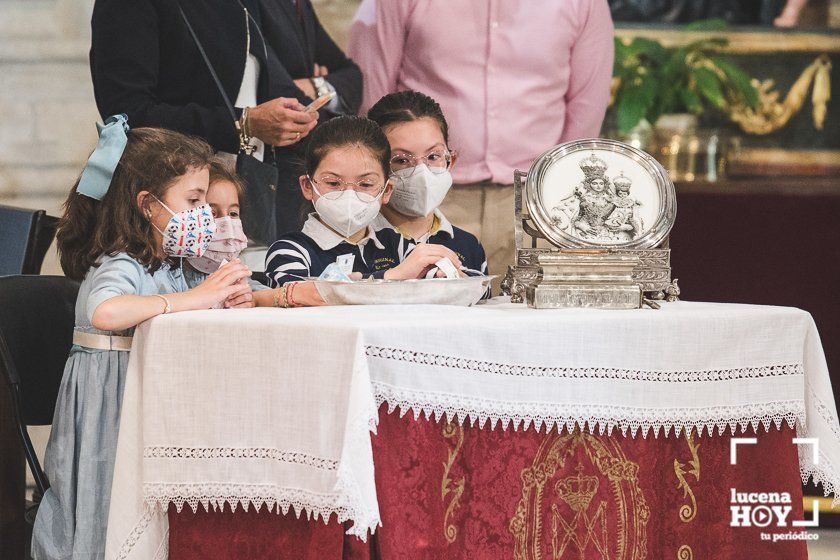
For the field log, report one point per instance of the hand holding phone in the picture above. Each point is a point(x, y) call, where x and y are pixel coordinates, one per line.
point(318, 103)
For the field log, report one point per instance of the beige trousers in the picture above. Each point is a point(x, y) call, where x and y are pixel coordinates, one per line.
point(485, 210)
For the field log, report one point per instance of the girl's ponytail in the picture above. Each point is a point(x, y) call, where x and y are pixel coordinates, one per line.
point(75, 235)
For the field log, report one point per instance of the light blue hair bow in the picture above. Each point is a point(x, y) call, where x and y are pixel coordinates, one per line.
point(97, 175)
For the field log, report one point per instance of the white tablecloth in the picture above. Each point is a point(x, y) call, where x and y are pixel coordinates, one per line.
point(272, 406)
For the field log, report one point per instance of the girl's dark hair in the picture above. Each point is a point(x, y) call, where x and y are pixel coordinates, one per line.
point(347, 131)
point(220, 170)
point(407, 106)
point(153, 159)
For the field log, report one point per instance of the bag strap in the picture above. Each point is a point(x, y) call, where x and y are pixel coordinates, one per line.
point(212, 70)
point(262, 37)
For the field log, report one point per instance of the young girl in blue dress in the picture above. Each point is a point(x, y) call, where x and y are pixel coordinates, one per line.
point(347, 179)
point(137, 210)
point(420, 161)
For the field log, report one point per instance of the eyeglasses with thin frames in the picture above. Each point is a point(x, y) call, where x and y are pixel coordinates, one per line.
point(438, 161)
point(331, 187)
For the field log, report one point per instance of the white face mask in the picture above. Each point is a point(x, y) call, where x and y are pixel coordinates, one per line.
point(418, 191)
point(349, 213)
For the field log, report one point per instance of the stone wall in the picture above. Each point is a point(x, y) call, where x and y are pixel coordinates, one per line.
point(46, 99)
point(47, 111)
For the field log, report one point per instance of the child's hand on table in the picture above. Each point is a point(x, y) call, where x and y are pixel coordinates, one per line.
point(221, 285)
point(243, 299)
point(421, 260)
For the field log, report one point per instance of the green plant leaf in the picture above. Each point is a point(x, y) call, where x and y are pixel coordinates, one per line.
point(618, 67)
point(648, 87)
point(673, 77)
point(619, 45)
point(675, 65)
point(739, 80)
point(709, 86)
point(714, 24)
point(650, 48)
point(632, 107)
point(692, 101)
point(626, 60)
point(654, 110)
point(666, 103)
point(620, 51)
point(709, 44)
point(629, 115)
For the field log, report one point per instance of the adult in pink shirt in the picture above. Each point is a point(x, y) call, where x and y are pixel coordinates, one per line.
point(514, 78)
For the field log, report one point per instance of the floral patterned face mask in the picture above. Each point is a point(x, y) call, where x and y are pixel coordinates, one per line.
point(188, 232)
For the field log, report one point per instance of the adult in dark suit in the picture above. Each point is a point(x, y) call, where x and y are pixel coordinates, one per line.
point(307, 52)
point(144, 63)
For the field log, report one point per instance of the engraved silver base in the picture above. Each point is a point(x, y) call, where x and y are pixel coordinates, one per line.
point(585, 279)
point(601, 296)
point(653, 272)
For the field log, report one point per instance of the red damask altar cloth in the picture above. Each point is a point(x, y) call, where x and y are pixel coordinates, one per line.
point(452, 492)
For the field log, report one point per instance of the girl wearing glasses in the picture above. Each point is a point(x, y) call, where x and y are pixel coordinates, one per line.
point(346, 179)
point(420, 161)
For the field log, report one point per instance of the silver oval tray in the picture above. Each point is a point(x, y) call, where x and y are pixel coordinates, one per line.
point(437, 291)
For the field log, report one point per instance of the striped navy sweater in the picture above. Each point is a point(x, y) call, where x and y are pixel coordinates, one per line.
point(306, 253)
point(462, 243)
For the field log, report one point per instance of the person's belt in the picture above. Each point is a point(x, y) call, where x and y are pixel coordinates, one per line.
point(102, 341)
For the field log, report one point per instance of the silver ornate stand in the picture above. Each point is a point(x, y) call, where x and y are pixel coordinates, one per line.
point(585, 279)
point(652, 273)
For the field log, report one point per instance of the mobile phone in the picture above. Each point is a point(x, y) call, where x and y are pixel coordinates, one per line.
point(318, 103)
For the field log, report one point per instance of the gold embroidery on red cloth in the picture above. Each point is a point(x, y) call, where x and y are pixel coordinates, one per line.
point(578, 491)
point(582, 484)
point(451, 431)
point(688, 511)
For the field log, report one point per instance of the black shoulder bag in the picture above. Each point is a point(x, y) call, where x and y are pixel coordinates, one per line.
point(259, 219)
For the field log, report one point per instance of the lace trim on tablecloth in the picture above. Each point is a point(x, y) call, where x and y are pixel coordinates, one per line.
point(440, 360)
point(590, 417)
point(346, 502)
point(135, 534)
point(277, 499)
point(824, 472)
point(346, 484)
point(824, 412)
point(272, 453)
point(162, 553)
